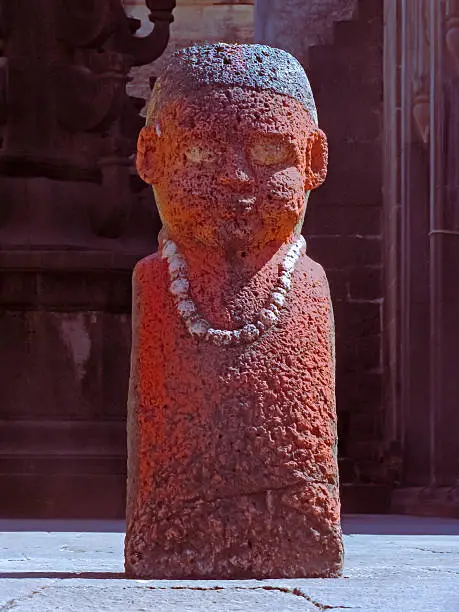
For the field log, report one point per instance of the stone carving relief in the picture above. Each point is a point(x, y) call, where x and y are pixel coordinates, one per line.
point(419, 23)
point(452, 30)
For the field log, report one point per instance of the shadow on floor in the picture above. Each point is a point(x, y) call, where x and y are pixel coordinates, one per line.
point(374, 524)
point(63, 525)
point(398, 524)
point(67, 575)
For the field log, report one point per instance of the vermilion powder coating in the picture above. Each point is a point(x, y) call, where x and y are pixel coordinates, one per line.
point(232, 467)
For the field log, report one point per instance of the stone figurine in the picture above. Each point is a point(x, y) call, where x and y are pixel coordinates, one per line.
point(232, 466)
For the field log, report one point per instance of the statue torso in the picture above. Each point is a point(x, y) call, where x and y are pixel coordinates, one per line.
point(234, 418)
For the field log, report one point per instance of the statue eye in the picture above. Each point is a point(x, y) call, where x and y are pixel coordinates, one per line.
point(269, 152)
point(200, 155)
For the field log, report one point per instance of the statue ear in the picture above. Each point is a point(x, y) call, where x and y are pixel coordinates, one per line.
point(316, 159)
point(148, 162)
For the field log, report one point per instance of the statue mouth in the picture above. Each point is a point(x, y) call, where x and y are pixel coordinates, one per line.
point(237, 226)
point(238, 229)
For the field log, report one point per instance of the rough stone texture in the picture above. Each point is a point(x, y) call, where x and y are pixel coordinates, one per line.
point(393, 564)
point(256, 67)
point(232, 450)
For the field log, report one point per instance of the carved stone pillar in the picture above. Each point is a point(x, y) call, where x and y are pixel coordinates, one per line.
point(74, 219)
point(194, 21)
point(66, 116)
point(452, 31)
point(422, 182)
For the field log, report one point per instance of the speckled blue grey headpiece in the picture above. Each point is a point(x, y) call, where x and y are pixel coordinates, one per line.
point(257, 67)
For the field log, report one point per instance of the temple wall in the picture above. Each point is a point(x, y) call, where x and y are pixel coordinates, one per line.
point(299, 25)
point(341, 46)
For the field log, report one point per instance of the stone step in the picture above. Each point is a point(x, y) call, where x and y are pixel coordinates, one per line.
point(68, 463)
point(60, 438)
point(52, 495)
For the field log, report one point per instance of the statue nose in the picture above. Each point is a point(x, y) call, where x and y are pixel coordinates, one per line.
point(235, 172)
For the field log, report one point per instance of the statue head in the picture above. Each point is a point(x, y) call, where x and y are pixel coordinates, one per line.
point(231, 146)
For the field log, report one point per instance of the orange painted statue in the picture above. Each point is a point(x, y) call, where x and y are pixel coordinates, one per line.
point(232, 468)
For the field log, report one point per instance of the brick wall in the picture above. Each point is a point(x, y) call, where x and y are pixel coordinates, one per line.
point(344, 227)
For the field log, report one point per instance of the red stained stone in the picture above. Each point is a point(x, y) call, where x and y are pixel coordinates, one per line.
point(232, 469)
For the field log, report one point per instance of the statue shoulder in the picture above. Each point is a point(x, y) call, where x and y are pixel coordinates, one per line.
point(147, 274)
point(314, 274)
point(314, 269)
point(146, 269)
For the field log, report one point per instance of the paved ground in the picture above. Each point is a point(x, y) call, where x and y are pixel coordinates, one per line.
point(393, 564)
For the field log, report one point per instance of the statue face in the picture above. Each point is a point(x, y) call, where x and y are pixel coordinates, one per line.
point(230, 167)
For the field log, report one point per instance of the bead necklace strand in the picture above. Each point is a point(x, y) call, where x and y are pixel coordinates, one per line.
point(198, 326)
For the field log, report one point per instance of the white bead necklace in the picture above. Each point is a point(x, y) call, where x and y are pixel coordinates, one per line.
point(198, 326)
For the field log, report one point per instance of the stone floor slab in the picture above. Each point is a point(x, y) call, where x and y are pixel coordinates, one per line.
point(392, 564)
